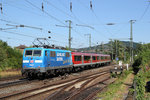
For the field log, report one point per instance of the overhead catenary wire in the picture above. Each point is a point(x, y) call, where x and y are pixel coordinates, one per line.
point(15, 38)
point(15, 32)
point(92, 10)
point(22, 9)
point(21, 25)
point(49, 14)
point(18, 34)
point(146, 9)
point(60, 20)
point(57, 8)
point(46, 12)
point(29, 36)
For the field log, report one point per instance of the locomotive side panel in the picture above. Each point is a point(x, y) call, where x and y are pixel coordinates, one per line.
point(59, 59)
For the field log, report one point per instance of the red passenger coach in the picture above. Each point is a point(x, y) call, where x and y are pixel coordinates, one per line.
point(85, 59)
point(77, 57)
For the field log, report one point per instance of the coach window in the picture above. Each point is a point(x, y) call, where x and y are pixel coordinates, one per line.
point(94, 58)
point(52, 53)
point(77, 58)
point(102, 58)
point(87, 58)
point(107, 58)
point(67, 54)
point(98, 57)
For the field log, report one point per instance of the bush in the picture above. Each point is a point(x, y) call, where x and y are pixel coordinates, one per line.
point(9, 57)
point(143, 62)
point(140, 80)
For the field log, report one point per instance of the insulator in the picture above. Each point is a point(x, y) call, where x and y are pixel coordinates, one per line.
point(1, 8)
point(42, 7)
point(91, 4)
point(71, 6)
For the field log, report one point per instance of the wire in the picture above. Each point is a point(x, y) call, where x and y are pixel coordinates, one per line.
point(57, 8)
point(95, 17)
point(72, 16)
point(29, 11)
point(45, 12)
point(30, 36)
point(18, 34)
point(145, 11)
point(8, 21)
point(14, 38)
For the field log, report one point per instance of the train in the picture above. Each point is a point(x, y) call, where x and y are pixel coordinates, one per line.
point(47, 61)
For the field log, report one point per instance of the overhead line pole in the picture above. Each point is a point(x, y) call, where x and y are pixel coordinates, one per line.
point(116, 50)
point(69, 39)
point(69, 33)
point(89, 40)
point(111, 49)
point(131, 42)
point(87, 34)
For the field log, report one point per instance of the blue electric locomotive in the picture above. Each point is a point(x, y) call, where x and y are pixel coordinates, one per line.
point(39, 61)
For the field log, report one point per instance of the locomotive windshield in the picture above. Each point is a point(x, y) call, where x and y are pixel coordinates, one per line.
point(28, 53)
point(33, 53)
point(37, 53)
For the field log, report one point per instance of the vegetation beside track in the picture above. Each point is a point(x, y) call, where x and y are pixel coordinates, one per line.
point(10, 73)
point(143, 76)
point(10, 58)
point(113, 88)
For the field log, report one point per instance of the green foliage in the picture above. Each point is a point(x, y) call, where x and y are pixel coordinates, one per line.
point(9, 57)
point(143, 58)
point(114, 87)
point(140, 79)
point(143, 62)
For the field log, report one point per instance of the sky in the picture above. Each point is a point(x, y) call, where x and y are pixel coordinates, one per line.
point(90, 21)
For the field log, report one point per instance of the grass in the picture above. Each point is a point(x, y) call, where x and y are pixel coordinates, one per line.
point(114, 87)
point(10, 72)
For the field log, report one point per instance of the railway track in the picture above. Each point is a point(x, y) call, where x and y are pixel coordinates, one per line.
point(10, 78)
point(12, 83)
point(73, 90)
point(75, 85)
point(28, 94)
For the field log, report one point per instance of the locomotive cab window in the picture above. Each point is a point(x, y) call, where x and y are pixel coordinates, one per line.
point(77, 58)
point(53, 54)
point(37, 53)
point(28, 53)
